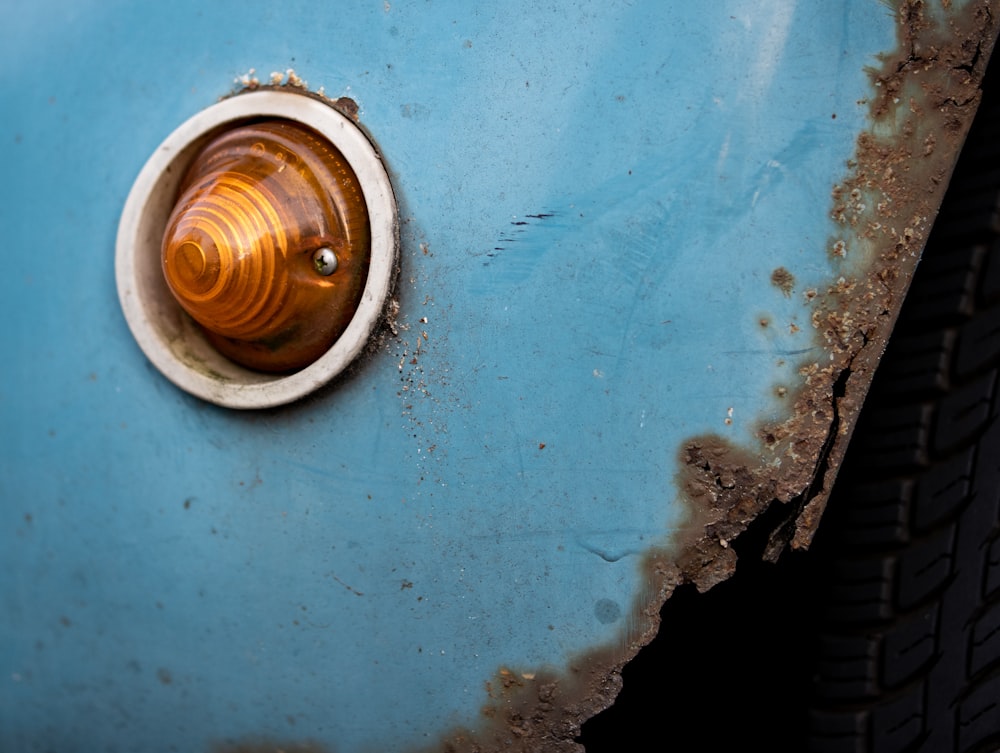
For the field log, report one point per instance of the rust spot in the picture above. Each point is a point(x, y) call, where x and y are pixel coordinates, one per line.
point(783, 280)
point(347, 106)
point(291, 81)
point(164, 676)
point(524, 705)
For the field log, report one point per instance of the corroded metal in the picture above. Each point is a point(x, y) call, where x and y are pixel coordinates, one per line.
point(925, 95)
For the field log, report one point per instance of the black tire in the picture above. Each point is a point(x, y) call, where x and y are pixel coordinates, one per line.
point(909, 644)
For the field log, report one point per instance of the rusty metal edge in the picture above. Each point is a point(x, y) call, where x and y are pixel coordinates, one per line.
point(928, 90)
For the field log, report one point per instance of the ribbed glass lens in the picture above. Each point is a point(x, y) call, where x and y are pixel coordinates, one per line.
point(257, 205)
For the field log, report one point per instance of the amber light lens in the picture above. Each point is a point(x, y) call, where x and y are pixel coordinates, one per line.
point(268, 244)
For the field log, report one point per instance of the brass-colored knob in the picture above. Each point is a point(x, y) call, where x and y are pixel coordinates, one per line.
point(268, 244)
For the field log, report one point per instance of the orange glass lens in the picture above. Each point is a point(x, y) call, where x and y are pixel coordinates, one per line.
point(268, 244)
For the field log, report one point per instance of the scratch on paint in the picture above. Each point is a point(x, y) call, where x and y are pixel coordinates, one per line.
point(349, 588)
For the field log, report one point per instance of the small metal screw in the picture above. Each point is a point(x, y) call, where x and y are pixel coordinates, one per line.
point(325, 261)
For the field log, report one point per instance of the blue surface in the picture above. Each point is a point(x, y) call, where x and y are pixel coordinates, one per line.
point(593, 199)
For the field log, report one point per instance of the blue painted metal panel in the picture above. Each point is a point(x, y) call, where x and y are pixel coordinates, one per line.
point(593, 199)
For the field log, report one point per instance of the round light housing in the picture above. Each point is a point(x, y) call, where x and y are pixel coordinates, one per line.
point(256, 249)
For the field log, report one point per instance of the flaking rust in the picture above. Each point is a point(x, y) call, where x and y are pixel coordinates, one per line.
point(927, 92)
point(289, 80)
